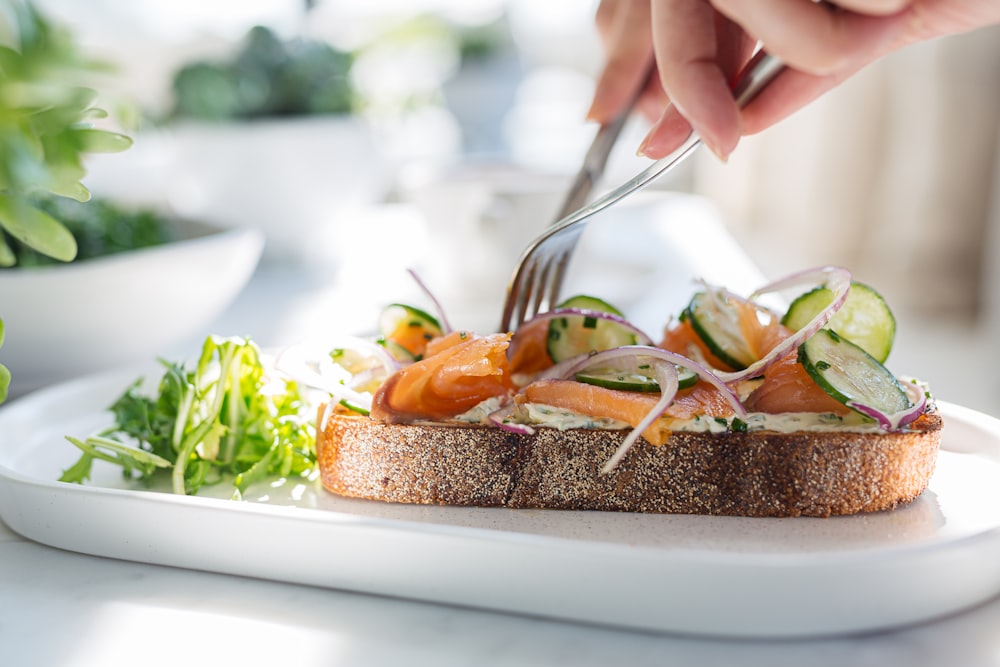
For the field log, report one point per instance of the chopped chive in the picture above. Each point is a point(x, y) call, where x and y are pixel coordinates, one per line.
point(353, 408)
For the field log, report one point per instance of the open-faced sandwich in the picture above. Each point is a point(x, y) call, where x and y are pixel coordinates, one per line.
point(737, 409)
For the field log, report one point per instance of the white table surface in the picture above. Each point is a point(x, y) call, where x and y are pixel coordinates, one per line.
point(63, 609)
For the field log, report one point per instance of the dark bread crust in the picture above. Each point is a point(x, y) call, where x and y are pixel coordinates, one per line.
point(740, 474)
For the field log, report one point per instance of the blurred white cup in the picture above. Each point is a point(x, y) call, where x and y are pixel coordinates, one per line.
point(480, 216)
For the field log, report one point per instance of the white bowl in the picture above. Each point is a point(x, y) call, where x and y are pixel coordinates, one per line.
point(67, 320)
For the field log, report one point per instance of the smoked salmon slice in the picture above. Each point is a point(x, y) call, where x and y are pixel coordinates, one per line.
point(787, 387)
point(529, 353)
point(626, 406)
point(682, 339)
point(460, 371)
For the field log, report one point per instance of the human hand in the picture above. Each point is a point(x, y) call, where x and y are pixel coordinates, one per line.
point(700, 46)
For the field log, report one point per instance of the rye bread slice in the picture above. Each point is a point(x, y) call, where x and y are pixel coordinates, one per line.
point(760, 474)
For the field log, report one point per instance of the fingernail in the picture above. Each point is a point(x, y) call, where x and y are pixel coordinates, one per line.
point(721, 150)
point(723, 156)
point(666, 135)
point(647, 149)
point(647, 142)
point(641, 151)
point(594, 113)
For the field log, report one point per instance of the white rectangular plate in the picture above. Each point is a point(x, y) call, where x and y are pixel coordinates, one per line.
point(704, 575)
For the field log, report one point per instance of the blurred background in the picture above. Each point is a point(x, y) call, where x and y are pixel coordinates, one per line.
point(441, 134)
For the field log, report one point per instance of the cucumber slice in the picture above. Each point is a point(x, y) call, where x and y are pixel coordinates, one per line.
point(584, 302)
point(405, 330)
point(718, 327)
point(571, 335)
point(851, 375)
point(613, 378)
point(865, 318)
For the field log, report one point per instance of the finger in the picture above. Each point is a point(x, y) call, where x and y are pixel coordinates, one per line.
point(685, 37)
point(815, 38)
point(629, 43)
point(666, 135)
point(605, 16)
point(787, 93)
point(653, 100)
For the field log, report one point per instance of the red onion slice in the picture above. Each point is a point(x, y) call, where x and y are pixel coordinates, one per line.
point(499, 417)
point(835, 279)
point(823, 276)
point(439, 309)
point(559, 371)
point(896, 420)
point(666, 377)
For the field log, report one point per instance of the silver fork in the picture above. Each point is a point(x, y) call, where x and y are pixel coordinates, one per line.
point(537, 279)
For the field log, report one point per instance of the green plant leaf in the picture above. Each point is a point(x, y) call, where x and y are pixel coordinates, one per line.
point(4, 372)
point(94, 113)
point(103, 141)
point(4, 382)
point(131, 459)
point(79, 472)
point(36, 229)
point(73, 190)
point(45, 129)
point(7, 256)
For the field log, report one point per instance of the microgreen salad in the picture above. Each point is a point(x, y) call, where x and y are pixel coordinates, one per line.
point(229, 419)
point(727, 362)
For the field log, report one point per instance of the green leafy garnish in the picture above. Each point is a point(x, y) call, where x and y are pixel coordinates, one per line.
point(45, 128)
point(4, 371)
point(226, 419)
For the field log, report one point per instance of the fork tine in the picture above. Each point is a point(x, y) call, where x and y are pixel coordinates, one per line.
point(556, 279)
point(511, 301)
point(540, 302)
point(526, 284)
point(536, 284)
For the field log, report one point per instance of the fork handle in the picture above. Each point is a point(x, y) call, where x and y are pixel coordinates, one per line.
point(593, 166)
point(596, 158)
point(754, 77)
point(758, 73)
